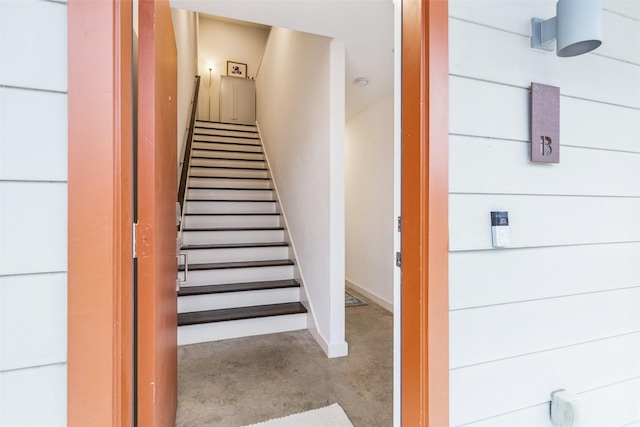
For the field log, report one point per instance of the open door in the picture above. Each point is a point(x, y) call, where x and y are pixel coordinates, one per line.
point(156, 217)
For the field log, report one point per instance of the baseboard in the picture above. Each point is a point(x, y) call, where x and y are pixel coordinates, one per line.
point(387, 305)
point(331, 350)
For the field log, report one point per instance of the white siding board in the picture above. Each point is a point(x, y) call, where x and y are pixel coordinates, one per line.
point(498, 277)
point(34, 397)
point(629, 8)
point(487, 109)
point(543, 220)
point(515, 17)
point(527, 327)
point(515, 63)
point(34, 44)
point(33, 135)
point(33, 221)
point(505, 168)
point(595, 125)
point(495, 388)
point(34, 320)
point(614, 405)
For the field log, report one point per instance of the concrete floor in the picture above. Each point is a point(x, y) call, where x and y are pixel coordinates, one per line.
point(248, 380)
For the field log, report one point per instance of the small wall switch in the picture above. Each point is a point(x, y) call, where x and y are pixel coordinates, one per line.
point(565, 409)
point(500, 236)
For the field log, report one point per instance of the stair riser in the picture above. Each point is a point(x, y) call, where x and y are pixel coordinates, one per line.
point(227, 154)
point(227, 146)
point(194, 173)
point(231, 207)
point(229, 194)
point(227, 126)
point(202, 256)
point(193, 334)
point(238, 275)
point(216, 237)
point(224, 163)
point(237, 299)
point(228, 183)
point(224, 132)
point(234, 221)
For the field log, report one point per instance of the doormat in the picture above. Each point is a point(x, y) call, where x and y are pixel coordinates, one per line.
point(350, 300)
point(329, 416)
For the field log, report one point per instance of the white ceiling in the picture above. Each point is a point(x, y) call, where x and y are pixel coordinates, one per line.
point(364, 26)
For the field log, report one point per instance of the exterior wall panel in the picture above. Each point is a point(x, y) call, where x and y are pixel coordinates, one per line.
point(33, 218)
point(558, 308)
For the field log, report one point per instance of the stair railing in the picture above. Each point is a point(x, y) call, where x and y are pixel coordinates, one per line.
point(186, 157)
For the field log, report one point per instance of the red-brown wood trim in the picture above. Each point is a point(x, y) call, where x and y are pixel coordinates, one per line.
point(425, 135)
point(99, 329)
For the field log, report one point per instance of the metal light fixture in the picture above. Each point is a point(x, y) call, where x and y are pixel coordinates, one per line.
point(210, 67)
point(576, 28)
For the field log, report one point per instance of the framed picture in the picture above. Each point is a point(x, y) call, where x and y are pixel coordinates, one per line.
point(236, 69)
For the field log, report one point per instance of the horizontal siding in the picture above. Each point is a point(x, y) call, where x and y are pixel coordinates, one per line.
point(36, 57)
point(487, 277)
point(34, 227)
point(33, 135)
point(559, 307)
point(495, 388)
point(34, 397)
point(541, 325)
point(613, 405)
point(493, 110)
point(506, 169)
point(536, 221)
point(35, 308)
point(515, 63)
point(33, 215)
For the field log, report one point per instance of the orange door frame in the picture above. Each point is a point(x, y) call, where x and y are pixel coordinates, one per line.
point(99, 320)
point(99, 379)
point(425, 230)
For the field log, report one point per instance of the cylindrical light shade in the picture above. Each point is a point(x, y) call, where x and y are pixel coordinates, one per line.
point(579, 26)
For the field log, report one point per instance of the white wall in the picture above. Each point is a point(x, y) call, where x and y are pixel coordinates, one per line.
point(370, 222)
point(185, 28)
point(559, 308)
point(221, 41)
point(298, 126)
point(33, 215)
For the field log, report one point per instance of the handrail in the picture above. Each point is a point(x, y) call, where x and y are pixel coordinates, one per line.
point(184, 171)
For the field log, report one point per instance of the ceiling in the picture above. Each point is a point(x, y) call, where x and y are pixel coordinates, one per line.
point(364, 26)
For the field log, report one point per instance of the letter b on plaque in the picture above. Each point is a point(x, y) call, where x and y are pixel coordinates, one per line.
point(545, 123)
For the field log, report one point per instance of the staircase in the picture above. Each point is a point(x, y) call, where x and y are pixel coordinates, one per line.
point(240, 275)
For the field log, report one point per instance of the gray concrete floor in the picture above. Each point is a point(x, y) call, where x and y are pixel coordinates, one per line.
point(248, 380)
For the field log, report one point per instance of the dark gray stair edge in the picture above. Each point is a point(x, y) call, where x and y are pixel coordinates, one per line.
point(234, 229)
point(227, 130)
point(240, 264)
point(233, 159)
point(222, 167)
point(218, 214)
point(234, 245)
point(237, 287)
point(233, 200)
point(231, 151)
point(240, 313)
point(230, 188)
point(231, 177)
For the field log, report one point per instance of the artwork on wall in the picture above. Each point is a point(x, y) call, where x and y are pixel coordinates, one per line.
point(236, 69)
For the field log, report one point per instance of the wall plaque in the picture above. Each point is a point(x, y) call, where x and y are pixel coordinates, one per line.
point(545, 123)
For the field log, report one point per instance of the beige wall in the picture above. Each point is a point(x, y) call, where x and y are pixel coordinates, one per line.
point(219, 42)
point(370, 221)
point(301, 120)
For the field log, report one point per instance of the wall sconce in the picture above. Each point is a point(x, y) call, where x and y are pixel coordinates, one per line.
point(576, 28)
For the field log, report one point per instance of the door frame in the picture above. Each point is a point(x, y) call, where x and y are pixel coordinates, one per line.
point(99, 349)
point(99, 292)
